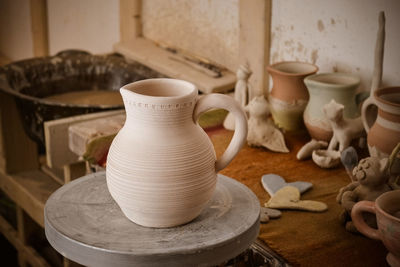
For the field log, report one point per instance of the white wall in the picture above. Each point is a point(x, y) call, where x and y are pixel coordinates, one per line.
point(15, 29)
point(206, 28)
point(337, 35)
point(91, 25)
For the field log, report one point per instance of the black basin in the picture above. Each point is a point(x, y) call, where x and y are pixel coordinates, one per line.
point(31, 80)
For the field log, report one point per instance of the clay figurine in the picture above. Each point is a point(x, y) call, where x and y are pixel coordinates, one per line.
point(344, 131)
point(262, 131)
point(241, 93)
point(370, 181)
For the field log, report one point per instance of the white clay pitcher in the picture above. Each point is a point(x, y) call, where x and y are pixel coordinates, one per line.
point(161, 167)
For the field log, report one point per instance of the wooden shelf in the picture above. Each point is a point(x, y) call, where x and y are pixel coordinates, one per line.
point(174, 66)
point(29, 190)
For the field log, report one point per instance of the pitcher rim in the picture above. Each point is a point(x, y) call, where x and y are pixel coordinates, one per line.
point(189, 94)
point(271, 68)
point(310, 80)
point(381, 91)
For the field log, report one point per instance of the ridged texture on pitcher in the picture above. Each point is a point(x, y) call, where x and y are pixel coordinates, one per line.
point(161, 165)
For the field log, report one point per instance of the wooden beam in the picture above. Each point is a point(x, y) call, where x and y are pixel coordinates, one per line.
point(254, 42)
point(17, 151)
point(28, 253)
point(130, 20)
point(30, 190)
point(40, 35)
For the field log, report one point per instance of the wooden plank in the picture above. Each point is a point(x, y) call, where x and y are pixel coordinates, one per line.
point(25, 227)
point(30, 190)
point(173, 65)
point(29, 254)
point(130, 20)
point(254, 42)
point(74, 170)
point(4, 60)
point(17, 151)
point(56, 138)
point(39, 28)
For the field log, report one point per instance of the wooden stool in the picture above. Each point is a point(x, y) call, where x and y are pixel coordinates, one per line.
point(84, 224)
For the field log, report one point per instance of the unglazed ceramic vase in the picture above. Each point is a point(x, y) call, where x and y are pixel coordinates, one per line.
point(387, 210)
point(289, 96)
point(323, 88)
point(161, 167)
point(384, 129)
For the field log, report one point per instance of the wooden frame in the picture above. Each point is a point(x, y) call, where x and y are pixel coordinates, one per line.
point(39, 26)
point(254, 16)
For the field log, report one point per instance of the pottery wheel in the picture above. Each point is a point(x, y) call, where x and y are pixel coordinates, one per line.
point(84, 224)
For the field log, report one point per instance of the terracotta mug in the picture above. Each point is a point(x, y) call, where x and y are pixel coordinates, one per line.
point(387, 210)
point(161, 166)
point(289, 96)
point(383, 129)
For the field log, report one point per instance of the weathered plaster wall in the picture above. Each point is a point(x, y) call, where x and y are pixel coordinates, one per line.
point(206, 28)
point(15, 29)
point(91, 25)
point(337, 35)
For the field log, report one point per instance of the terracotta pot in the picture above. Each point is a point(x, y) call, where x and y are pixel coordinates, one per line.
point(387, 210)
point(324, 87)
point(161, 167)
point(384, 134)
point(289, 96)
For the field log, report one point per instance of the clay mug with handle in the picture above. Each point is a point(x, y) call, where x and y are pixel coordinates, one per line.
point(387, 210)
point(383, 128)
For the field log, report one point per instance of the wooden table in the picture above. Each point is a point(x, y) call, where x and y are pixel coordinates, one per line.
point(85, 224)
point(302, 238)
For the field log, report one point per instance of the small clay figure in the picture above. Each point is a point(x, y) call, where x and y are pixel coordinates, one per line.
point(241, 88)
point(241, 93)
point(344, 130)
point(371, 180)
point(262, 131)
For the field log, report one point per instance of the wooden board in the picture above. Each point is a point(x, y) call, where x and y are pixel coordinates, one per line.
point(58, 153)
point(254, 42)
point(172, 65)
point(30, 190)
point(17, 151)
point(39, 19)
point(27, 253)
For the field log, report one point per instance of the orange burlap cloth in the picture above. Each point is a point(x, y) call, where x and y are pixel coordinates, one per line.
point(302, 238)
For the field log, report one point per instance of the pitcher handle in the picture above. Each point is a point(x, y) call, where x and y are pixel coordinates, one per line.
point(358, 220)
point(240, 135)
point(364, 110)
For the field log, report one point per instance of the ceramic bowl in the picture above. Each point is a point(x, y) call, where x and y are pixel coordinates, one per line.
point(31, 80)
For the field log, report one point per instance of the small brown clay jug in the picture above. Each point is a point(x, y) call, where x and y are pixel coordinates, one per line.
point(383, 130)
point(289, 95)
